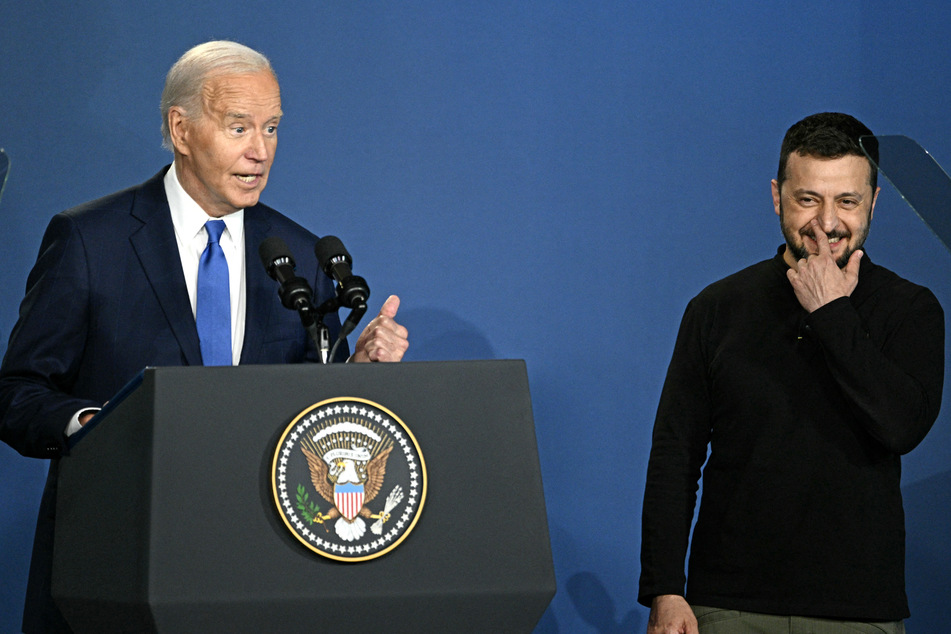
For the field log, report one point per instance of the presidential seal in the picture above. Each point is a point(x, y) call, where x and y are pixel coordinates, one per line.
point(349, 479)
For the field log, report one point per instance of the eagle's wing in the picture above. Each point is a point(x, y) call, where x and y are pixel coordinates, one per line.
point(376, 471)
point(318, 475)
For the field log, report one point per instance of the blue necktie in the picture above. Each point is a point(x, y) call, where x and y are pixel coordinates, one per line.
point(213, 309)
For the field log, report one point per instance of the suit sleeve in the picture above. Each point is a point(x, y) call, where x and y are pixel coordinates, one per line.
point(46, 347)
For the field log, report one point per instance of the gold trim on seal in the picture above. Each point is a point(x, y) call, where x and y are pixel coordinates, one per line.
point(277, 496)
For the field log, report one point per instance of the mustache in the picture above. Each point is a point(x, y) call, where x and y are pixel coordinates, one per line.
point(831, 236)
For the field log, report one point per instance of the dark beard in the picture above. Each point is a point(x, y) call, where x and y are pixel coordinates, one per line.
point(799, 250)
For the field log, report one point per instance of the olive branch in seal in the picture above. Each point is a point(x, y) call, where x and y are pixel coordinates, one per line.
point(308, 510)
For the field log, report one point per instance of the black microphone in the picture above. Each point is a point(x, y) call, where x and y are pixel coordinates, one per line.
point(295, 292)
point(334, 260)
point(276, 257)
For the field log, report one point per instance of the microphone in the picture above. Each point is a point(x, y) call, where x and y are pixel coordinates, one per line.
point(276, 257)
point(295, 292)
point(352, 290)
point(335, 261)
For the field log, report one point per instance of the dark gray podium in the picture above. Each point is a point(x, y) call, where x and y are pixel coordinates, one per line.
point(166, 520)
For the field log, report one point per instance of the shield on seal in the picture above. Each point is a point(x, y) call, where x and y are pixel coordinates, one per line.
point(349, 499)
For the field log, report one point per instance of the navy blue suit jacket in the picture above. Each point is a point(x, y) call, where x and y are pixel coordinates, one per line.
point(105, 299)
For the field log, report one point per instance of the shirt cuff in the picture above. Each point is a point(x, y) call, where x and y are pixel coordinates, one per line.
point(74, 425)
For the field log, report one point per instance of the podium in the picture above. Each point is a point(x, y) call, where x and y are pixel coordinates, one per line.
point(166, 518)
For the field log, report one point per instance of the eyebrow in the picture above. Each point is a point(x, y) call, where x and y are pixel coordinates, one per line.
point(242, 115)
point(818, 195)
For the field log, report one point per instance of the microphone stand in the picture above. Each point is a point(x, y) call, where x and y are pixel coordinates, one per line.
point(320, 335)
point(356, 314)
point(312, 319)
point(333, 304)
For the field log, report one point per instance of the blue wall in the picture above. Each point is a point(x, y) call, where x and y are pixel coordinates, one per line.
point(541, 180)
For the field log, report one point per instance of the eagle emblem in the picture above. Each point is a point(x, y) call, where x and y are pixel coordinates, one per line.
point(348, 477)
point(363, 465)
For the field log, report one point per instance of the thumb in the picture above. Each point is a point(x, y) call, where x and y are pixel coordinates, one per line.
point(390, 306)
point(852, 267)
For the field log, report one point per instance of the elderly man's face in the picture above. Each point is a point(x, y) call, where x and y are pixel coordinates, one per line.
point(226, 153)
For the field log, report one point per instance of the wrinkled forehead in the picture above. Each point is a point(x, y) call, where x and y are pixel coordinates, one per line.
point(244, 94)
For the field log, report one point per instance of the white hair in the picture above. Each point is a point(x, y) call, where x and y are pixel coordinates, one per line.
point(187, 77)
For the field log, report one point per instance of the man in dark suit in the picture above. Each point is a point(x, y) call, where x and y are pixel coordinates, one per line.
point(117, 285)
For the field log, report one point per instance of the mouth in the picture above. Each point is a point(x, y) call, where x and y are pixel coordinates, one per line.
point(249, 179)
point(833, 240)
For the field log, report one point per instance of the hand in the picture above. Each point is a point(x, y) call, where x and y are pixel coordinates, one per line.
point(383, 339)
point(85, 417)
point(671, 614)
point(817, 280)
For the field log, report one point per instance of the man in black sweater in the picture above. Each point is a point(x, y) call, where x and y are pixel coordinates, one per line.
point(806, 376)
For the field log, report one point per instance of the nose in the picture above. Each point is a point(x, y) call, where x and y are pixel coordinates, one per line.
point(828, 216)
point(257, 147)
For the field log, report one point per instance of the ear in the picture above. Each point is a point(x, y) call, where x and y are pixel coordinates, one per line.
point(775, 187)
point(179, 128)
point(871, 211)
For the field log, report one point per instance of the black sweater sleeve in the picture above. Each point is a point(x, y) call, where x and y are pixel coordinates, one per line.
point(890, 364)
point(678, 450)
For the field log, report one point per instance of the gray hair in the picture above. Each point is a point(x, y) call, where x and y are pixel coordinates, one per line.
point(186, 79)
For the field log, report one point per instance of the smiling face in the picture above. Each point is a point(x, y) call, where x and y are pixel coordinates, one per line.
point(223, 156)
point(834, 191)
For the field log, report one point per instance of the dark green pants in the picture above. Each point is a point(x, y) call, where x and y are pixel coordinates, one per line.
point(717, 621)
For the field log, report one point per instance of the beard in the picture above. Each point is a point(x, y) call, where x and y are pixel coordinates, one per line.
point(797, 245)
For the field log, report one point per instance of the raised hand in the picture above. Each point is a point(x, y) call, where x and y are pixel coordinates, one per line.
point(383, 339)
point(817, 279)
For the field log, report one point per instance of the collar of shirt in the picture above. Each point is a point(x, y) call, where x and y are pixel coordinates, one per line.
point(189, 218)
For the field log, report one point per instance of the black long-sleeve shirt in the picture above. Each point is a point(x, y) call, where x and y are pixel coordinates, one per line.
point(805, 417)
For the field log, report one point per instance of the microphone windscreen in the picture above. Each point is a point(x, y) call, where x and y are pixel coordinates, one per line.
point(272, 249)
point(329, 248)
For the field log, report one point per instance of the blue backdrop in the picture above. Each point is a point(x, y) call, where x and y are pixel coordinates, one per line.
point(546, 180)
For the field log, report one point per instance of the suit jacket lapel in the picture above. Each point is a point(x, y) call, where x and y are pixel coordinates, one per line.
point(261, 289)
point(157, 249)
